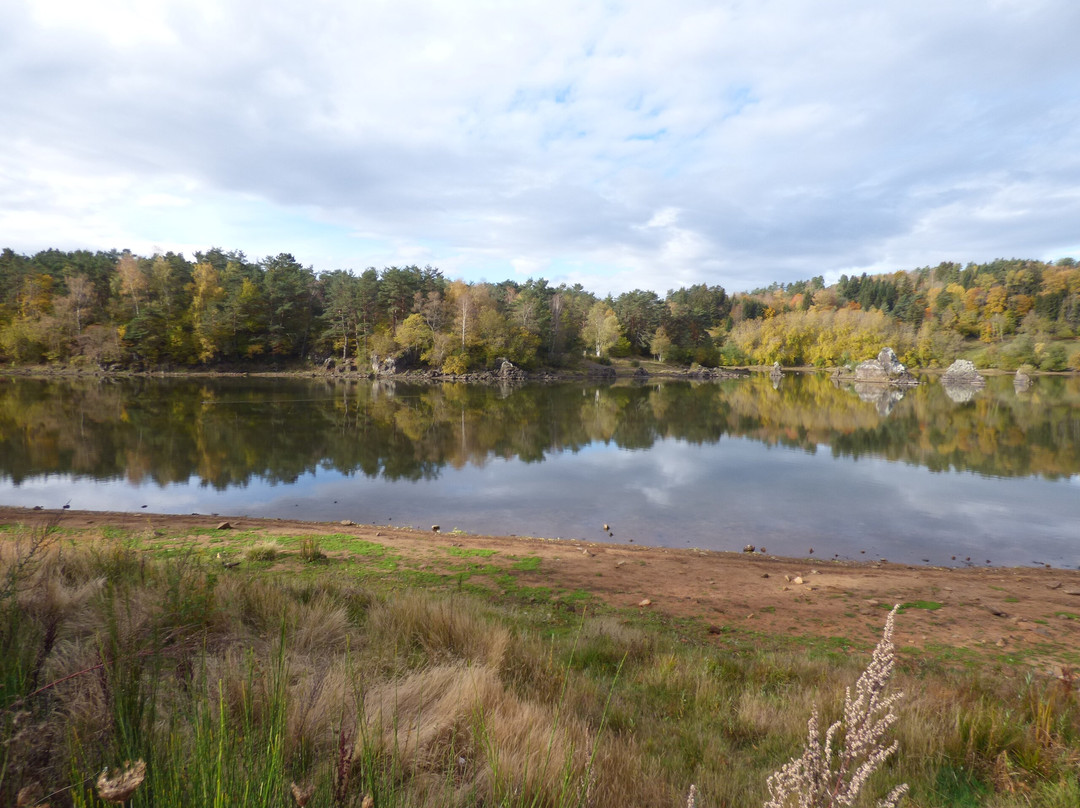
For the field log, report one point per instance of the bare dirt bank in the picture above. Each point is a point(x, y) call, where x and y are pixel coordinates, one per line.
point(1021, 615)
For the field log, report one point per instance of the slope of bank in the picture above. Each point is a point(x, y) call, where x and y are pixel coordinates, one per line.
point(1019, 615)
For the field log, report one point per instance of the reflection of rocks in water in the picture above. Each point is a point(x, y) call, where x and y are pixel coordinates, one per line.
point(882, 397)
point(386, 388)
point(960, 393)
point(776, 375)
point(1021, 382)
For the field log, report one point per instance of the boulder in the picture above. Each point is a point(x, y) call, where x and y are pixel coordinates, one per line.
point(383, 367)
point(962, 372)
point(508, 370)
point(1021, 381)
point(885, 369)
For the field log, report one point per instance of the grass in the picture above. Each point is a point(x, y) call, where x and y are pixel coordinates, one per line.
point(470, 552)
point(359, 673)
point(927, 605)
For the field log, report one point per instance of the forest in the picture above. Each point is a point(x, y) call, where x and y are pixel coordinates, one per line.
point(117, 310)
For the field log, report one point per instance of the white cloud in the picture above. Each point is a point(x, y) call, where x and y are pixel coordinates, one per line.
point(771, 141)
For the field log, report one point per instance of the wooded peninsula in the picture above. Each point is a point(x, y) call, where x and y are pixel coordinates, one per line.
point(118, 310)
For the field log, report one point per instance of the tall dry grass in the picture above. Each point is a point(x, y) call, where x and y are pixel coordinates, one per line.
point(233, 684)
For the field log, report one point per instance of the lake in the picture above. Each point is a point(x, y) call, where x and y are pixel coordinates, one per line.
point(926, 475)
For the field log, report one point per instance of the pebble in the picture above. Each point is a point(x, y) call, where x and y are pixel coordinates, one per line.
point(645, 602)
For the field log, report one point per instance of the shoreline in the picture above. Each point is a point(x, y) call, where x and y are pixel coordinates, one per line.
point(1017, 615)
point(594, 372)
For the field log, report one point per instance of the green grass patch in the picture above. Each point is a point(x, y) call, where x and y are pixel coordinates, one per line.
point(927, 605)
point(527, 564)
point(470, 552)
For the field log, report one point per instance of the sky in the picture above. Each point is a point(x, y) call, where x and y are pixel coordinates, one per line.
point(619, 145)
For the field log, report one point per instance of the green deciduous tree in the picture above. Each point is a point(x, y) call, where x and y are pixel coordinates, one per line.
point(601, 328)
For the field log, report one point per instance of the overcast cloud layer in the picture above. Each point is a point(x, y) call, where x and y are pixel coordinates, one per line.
point(620, 145)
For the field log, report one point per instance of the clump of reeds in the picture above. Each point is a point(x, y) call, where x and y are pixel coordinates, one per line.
point(263, 551)
point(310, 550)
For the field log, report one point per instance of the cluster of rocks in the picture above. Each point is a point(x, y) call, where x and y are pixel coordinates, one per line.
point(883, 369)
point(714, 373)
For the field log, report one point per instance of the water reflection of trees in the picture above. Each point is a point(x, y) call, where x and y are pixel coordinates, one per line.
point(225, 432)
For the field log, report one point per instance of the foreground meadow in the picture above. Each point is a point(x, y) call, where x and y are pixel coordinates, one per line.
point(263, 666)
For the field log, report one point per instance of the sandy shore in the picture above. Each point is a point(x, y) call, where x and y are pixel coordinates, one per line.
point(1025, 615)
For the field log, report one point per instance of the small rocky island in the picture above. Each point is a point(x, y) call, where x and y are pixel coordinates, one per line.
point(962, 373)
point(961, 381)
point(883, 369)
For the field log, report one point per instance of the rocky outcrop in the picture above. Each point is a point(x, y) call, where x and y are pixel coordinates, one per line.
point(962, 373)
point(1021, 381)
point(384, 367)
point(508, 371)
point(697, 372)
point(961, 381)
point(776, 375)
point(885, 369)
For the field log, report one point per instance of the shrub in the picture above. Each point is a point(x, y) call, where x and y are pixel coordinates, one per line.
point(310, 551)
point(455, 365)
point(1053, 358)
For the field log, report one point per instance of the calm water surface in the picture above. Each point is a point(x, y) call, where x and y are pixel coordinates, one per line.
point(929, 475)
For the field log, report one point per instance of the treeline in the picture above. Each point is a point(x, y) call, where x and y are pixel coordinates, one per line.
point(113, 308)
point(120, 309)
point(1004, 313)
